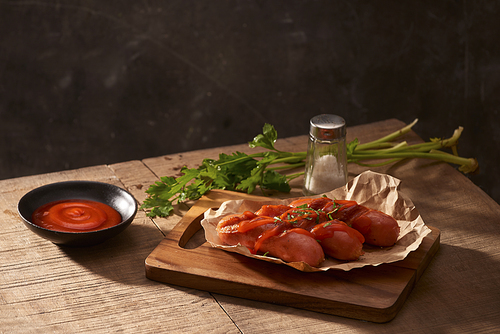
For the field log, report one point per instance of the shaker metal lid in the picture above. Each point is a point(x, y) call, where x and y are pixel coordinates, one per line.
point(327, 127)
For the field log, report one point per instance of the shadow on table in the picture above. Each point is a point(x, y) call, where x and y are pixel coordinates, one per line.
point(457, 293)
point(121, 258)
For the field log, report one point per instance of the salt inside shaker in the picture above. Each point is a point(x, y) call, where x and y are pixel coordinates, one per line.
point(326, 162)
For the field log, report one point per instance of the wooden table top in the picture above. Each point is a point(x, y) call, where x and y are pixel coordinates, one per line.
point(47, 288)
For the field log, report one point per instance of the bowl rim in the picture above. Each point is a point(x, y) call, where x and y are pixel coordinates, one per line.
point(125, 220)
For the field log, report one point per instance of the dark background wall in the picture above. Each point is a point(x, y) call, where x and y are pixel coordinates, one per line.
point(91, 82)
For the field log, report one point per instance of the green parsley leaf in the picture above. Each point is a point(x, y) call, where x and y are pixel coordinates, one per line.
point(266, 139)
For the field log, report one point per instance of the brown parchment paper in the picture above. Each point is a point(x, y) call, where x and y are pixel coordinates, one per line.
point(373, 190)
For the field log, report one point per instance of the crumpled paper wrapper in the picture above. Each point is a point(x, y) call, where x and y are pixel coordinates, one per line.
point(373, 190)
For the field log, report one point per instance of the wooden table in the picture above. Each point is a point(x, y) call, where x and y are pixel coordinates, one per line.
point(46, 288)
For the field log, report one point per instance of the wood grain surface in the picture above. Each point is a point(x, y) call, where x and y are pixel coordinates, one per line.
point(104, 289)
point(47, 288)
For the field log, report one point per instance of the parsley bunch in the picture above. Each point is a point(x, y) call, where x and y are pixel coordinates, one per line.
point(244, 172)
point(238, 172)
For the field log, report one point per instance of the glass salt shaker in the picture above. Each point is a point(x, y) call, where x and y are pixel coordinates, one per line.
point(326, 162)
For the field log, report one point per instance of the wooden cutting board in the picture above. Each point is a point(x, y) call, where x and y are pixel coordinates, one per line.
point(370, 293)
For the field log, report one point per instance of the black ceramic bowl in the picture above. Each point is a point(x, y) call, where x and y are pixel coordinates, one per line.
point(119, 199)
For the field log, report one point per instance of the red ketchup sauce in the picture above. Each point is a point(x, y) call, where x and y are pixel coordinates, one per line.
point(76, 215)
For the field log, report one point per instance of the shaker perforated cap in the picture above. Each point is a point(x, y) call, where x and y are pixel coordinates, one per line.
point(327, 127)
